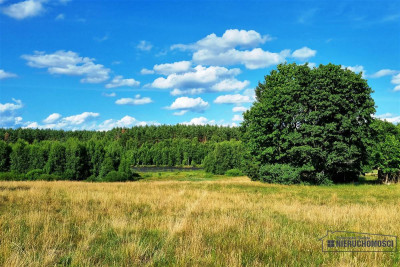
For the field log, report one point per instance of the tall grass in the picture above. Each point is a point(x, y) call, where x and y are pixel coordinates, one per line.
point(203, 221)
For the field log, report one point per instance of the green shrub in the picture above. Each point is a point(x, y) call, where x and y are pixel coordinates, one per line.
point(11, 176)
point(115, 176)
point(288, 174)
point(234, 172)
point(49, 177)
point(93, 178)
point(279, 173)
point(34, 174)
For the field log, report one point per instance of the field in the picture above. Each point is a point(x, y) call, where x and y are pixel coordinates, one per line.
point(189, 219)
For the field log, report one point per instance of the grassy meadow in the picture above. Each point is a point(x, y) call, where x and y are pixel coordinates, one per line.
point(190, 219)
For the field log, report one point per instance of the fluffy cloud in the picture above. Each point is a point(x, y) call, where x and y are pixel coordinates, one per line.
point(69, 63)
point(145, 71)
point(80, 118)
point(170, 68)
point(25, 9)
point(9, 113)
point(230, 39)
point(199, 77)
point(144, 46)
point(134, 101)
point(193, 91)
point(389, 117)
point(4, 74)
point(189, 104)
point(396, 81)
point(232, 99)
point(119, 81)
point(52, 118)
point(304, 53)
point(214, 50)
point(252, 59)
point(124, 122)
point(356, 69)
point(239, 109)
point(85, 120)
point(237, 117)
point(230, 85)
point(384, 72)
point(199, 121)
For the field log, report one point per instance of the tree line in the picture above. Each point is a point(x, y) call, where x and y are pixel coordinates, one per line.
point(33, 154)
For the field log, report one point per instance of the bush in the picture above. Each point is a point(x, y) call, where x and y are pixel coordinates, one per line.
point(279, 173)
point(34, 174)
point(234, 172)
point(49, 177)
point(288, 174)
point(115, 176)
point(11, 176)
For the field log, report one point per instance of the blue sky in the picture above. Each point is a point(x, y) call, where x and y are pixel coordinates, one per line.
point(102, 64)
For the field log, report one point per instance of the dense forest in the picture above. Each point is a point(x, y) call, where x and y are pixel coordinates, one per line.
point(95, 155)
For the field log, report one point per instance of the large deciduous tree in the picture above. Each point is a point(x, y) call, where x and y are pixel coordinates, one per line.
point(313, 122)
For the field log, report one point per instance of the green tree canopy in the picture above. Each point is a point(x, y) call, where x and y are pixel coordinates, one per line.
point(316, 120)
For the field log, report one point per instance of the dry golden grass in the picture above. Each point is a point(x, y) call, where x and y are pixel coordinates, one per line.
point(222, 222)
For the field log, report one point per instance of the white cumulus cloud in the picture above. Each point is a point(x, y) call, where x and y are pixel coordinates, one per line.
point(239, 109)
point(25, 9)
point(214, 50)
point(10, 113)
point(52, 118)
point(199, 121)
point(304, 53)
point(119, 81)
point(252, 59)
point(230, 85)
point(384, 72)
point(145, 71)
point(189, 104)
point(80, 118)
point(4, 74)
point(170, 68)
point(230, 39)
point(138, 100)
point(199, 77)
point(69, 63)
point(194, 91)
point(232, 99)
point(396, 81)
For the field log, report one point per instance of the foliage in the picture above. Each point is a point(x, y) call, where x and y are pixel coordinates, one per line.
point(5, 151)
point(225, 156)
point(115, 176)
point(318, 118)
point(385, 148)
point(78, 155)
point(34, 174)
point(234, 172)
